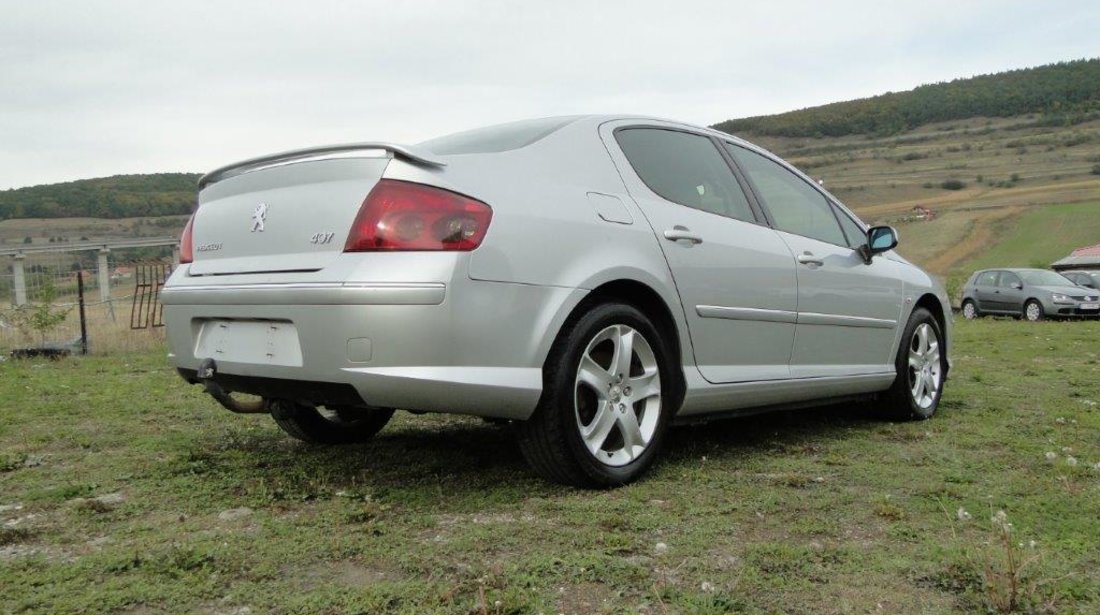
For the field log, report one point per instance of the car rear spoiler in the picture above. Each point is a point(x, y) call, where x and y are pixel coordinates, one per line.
point(412, 154)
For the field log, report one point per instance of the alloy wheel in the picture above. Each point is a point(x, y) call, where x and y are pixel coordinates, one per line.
point(1033, 311)
point(969, 311)
point(925, 371)
point(617, 395)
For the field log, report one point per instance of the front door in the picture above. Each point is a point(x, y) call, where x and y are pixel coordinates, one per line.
point(848, 310)
point(1010, 294)
point(735, 276)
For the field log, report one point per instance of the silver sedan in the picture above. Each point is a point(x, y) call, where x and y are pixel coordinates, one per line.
point(591, 279)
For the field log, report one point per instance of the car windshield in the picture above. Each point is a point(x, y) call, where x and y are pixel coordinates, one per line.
point(499, 138)
point(1045, 278)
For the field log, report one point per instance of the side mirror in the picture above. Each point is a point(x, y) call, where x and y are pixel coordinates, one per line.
point(1017, 285)
point(879, 239)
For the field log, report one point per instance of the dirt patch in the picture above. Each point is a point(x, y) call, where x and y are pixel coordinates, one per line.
point(980, 234)
point(586, 598)
point(346, 573)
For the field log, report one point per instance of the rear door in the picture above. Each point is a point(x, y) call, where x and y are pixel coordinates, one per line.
point(735, 276)
point(985, 287)
point(1008, 296)
point(848, 310)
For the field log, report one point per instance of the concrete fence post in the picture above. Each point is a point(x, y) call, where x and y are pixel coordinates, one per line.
point(104, 276)
point(176, 254)
point(19, 280)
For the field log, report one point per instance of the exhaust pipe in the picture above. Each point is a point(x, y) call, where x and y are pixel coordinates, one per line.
point(207, 370)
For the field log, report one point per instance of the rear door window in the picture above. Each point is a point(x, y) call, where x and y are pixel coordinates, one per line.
point(1008, 279)
point(685, 168)
point(987, 278)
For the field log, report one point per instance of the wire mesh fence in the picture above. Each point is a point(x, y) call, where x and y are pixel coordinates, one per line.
point(72, 302)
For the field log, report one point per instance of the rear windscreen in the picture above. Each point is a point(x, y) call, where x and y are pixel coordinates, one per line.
point(499, 138)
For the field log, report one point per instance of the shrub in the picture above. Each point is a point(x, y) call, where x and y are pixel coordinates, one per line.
point(952, 184)
point(1096, 169)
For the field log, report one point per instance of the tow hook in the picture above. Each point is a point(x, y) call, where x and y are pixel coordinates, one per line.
point(205, 374)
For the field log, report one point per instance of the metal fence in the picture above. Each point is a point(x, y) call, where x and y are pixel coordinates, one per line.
point(93, 298)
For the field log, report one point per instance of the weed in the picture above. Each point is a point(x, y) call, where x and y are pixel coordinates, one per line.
point(1003, 571)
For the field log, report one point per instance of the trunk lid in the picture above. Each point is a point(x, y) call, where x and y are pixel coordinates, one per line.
point(289, 216)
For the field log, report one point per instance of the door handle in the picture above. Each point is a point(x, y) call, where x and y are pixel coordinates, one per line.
point(808, 258)
point(681, 233)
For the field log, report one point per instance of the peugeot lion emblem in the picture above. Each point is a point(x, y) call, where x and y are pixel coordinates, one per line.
point(258, 217)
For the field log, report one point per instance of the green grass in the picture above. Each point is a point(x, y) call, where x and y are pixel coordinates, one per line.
point(816, 511)
point(1041, 236)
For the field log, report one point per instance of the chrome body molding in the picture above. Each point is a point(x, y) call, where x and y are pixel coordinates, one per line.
point(315, 293)
point(802, 318)
point(837, 320)
point(732, 313)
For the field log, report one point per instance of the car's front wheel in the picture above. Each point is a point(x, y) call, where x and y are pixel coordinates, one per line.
point(309, 423)
point(921, 365)
point(605, 405)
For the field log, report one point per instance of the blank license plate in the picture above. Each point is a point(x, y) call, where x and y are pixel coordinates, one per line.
point(1089, 306)
point(250, 341)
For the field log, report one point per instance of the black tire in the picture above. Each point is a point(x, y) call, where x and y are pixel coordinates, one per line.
point(973, 313)
point(900, 402)
point(1039, 314)
point(340, 426)
point(551, 439)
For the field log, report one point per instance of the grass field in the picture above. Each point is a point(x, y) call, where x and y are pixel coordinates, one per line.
point(123, 490)
point(1040, 236)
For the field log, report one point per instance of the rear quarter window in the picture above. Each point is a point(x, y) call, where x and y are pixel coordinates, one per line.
point(686, 169)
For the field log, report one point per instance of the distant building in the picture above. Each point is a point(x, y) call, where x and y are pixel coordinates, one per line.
point(921, 212)
point(1081, 258)
point(122, 273)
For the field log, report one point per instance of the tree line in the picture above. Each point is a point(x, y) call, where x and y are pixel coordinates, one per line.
point(120, 196)
point(1065, 92)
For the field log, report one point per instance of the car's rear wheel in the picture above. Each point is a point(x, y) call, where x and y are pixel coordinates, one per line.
point(921, 365)
point(1033, 311)
point(309, 423)
point(605, 405)
point(970, 310)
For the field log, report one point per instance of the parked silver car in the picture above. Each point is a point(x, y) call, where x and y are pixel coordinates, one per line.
point(591, 279)
point(1033, 294)
point(1088, 279)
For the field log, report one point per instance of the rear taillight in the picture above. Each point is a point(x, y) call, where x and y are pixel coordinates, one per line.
point(187, 248)
point(399, 215)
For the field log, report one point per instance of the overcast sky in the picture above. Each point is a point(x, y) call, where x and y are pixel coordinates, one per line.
point(95, 88)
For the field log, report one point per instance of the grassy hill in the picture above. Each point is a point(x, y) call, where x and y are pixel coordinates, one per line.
point(1066, 92)
point(1021, 190)
point(120, 196)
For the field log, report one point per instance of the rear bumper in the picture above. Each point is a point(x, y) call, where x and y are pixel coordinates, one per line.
point(471, 347)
